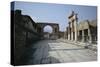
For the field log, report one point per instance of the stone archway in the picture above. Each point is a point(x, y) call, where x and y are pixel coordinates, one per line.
point(48, 29)
point(54, 26)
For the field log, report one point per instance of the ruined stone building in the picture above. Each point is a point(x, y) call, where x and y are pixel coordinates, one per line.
point(55, 29)
point(84, 31)
point(72, 28)
point(87, 31)
point(24, 33)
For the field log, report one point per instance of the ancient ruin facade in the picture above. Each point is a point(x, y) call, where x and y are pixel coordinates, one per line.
point(72, 28)
point(24, 31)
point(55, 27)
point(87, 31)
point(84, 31)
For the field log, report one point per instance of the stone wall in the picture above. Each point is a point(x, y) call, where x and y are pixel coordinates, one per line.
point(24, 34)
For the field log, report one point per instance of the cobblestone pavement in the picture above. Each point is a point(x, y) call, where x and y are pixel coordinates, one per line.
point(53, 51)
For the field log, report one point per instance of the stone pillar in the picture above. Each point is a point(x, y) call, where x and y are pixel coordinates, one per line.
point(71, 35)
point(69, 32)
point(73, 19)
point(89, 35)
point(82, 35)
point(75, 29)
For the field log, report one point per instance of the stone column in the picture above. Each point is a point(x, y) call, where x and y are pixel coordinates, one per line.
point(89, 35)
point(71, 30)
point(82, 35)
point(69, 34)
point(75, 29)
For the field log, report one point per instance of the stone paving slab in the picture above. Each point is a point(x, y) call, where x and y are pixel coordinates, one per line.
point(52, 51)
point(82, 44)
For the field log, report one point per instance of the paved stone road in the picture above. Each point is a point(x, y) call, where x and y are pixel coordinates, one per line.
point(52, 51)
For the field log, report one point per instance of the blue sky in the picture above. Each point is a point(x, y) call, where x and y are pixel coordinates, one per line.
point(56, 13)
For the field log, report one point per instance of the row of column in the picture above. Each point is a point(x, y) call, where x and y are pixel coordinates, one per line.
point(72, 32)
point(85, 37)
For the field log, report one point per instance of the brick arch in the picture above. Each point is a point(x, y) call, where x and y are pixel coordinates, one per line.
point(46, 27)
point(54, 26)
point(55, 29)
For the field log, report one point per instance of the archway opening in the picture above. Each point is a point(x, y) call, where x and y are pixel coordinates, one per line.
point(48, 30)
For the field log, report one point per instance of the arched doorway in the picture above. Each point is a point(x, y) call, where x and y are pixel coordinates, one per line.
point(47, 30)
point(52, 29)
